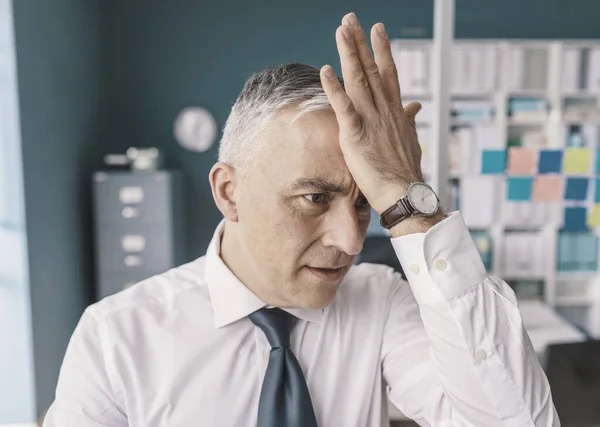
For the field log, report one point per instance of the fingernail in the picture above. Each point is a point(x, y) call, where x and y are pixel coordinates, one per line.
point(381, 30)
point(329, 73)
point(353, 20)
point(347, 33)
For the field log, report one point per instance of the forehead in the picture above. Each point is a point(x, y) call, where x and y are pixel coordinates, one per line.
point(306, 147)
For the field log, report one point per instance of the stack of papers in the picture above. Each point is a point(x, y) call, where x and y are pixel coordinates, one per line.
point(523, 255)
point(474, 68)
point(593, 83)
point(413, 64)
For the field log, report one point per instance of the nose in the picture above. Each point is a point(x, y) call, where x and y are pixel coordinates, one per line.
point(343, 231)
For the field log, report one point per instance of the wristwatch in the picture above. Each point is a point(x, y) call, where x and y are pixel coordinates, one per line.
point(419, 199)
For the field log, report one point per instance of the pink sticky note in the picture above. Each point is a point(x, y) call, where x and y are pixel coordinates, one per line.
point(521, 161)
point(547, 188)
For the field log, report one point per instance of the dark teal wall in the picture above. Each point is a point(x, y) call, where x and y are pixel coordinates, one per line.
point(168, 55)
point(97, 76)
point(60, 89)
point(527, 19)
point(165, 55)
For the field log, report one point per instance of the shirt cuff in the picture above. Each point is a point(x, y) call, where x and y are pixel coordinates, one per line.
point(441, 263)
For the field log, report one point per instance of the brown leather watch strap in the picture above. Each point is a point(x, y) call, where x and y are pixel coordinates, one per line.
point(398, 212)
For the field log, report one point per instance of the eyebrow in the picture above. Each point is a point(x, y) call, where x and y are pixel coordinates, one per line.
point(316, 184)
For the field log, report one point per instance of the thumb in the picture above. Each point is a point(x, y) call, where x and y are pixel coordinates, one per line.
point(412, 109)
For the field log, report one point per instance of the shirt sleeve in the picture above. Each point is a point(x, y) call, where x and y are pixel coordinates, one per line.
point(85, 395)
point(455, 352)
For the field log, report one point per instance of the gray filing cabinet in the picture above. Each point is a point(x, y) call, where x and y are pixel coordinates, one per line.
point(138, 219)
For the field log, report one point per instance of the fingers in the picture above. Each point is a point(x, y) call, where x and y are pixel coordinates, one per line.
point(410, 113)
point(412, 109)
point(340, 101)
point(355, 81)
point(367, 63)
point(386, 65)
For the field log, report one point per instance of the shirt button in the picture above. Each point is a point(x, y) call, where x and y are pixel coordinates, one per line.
point(441, 264)
point(266, 354)
point(480, 355)
point(414, 268)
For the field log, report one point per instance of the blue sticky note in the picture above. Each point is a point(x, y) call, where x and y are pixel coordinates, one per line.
point(575, 218)
point(550, 161)
point(576, 188)
point(519, 188)
point(597, 169)
point(493, 161)
point(597, 191)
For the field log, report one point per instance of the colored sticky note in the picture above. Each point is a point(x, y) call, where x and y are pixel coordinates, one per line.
point(597, 170)
point(547, 188)
point(550, 161)
point(594, 216)
point(575, 218)
point(515, 142)
point(577, 161)
point(519, 189)
point(521, 161)
point(493, 161)
point(576, 188)
point(597, 191)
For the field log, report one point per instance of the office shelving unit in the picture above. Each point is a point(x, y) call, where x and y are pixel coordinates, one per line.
point(543, 64)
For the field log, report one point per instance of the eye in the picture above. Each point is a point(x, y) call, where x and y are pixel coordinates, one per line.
point(362, 203)
point(319, 198)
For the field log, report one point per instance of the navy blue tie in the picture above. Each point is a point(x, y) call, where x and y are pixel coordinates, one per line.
point(284, 398)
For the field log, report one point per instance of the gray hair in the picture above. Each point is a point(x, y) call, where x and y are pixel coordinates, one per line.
point(265, 94)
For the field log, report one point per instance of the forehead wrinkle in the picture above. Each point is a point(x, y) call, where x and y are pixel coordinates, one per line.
point(316, 183)
point(309, 149)
point(324, 185)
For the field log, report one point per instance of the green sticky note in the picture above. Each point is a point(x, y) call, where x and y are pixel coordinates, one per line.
point(515, 142)
point(593, 219)
point(577, 161)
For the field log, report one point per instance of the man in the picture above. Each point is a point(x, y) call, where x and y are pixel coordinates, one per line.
point(275, 327)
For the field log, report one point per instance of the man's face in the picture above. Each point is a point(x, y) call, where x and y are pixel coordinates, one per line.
point(302, 219)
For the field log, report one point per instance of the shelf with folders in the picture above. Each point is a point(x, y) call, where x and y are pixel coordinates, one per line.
point(524, 166)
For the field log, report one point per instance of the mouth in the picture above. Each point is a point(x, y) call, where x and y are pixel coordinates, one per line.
point(327, 274)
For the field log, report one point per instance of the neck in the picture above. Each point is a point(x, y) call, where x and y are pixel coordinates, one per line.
point(232, 254)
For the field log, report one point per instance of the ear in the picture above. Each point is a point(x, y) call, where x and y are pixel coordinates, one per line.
point(223, 181)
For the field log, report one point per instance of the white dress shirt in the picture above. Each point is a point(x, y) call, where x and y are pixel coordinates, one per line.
point(178, 349)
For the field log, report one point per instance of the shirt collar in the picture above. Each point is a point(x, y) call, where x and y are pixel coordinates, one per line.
point(231, 299)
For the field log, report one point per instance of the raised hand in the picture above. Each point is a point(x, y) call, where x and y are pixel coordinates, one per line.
point(377, 135)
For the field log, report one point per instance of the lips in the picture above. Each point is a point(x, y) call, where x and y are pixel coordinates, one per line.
point(327, 274)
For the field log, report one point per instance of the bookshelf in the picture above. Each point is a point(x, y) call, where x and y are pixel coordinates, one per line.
point(521, 97)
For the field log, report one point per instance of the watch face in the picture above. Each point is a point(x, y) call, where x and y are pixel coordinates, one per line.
point(423, 198)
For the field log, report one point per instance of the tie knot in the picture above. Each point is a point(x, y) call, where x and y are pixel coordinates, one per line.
point(276, 325)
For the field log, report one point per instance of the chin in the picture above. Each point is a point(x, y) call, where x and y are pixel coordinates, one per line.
point(315, 292)
point(319, 298)
point(320, 304)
